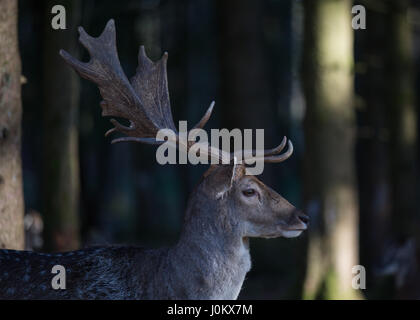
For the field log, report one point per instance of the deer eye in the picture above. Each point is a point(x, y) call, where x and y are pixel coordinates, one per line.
point(249, 192)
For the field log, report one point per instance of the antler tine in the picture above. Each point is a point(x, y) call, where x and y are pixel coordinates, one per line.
point(145, 104)
point(205, 118)
point(246, 154)
point(150, 141)
point(269, 156)
point(282, 157)
point(277, 149)
point(144, 100)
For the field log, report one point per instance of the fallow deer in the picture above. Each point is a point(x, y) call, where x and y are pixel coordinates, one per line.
point(228, 207)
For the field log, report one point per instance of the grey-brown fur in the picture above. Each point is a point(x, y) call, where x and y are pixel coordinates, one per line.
point(209, 261)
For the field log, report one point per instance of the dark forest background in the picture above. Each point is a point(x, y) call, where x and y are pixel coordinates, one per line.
point(346, 98)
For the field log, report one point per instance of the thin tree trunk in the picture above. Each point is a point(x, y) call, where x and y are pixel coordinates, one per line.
point(402, 119)
point(61, 161)
point(402, 122)
point(245, 91)
point(330, 193)
point(11, 192)
point(373, 159)
point(246, 99)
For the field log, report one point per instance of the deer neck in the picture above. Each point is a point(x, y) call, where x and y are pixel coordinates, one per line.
point(213, 251)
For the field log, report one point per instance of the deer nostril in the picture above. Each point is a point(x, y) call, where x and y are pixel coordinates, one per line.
point(304, 218)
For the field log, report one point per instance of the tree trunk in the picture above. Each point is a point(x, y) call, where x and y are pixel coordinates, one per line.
point(11, 191)
point(246, 99)
point(61, 164)
point(373, 160)
point(402, 123)
point(245, 91)
point(330, 190)
point(402, 119)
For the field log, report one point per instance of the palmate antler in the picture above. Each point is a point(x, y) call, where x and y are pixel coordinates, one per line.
point(144, 100)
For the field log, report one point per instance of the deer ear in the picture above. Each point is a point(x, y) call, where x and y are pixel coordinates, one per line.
point(238, 171)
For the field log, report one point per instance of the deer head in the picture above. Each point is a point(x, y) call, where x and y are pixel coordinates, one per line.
point(242, 204)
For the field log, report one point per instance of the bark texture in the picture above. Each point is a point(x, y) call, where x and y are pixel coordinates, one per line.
point(330, 190)
point(11, 192)
point(402, 123)
point(402, 117)
point(60, 144)
point(246, 96)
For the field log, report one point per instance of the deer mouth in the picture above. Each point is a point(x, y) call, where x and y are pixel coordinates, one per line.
point(293, 231)
point(301, 227)
point(295, 228)
point(286, 231)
